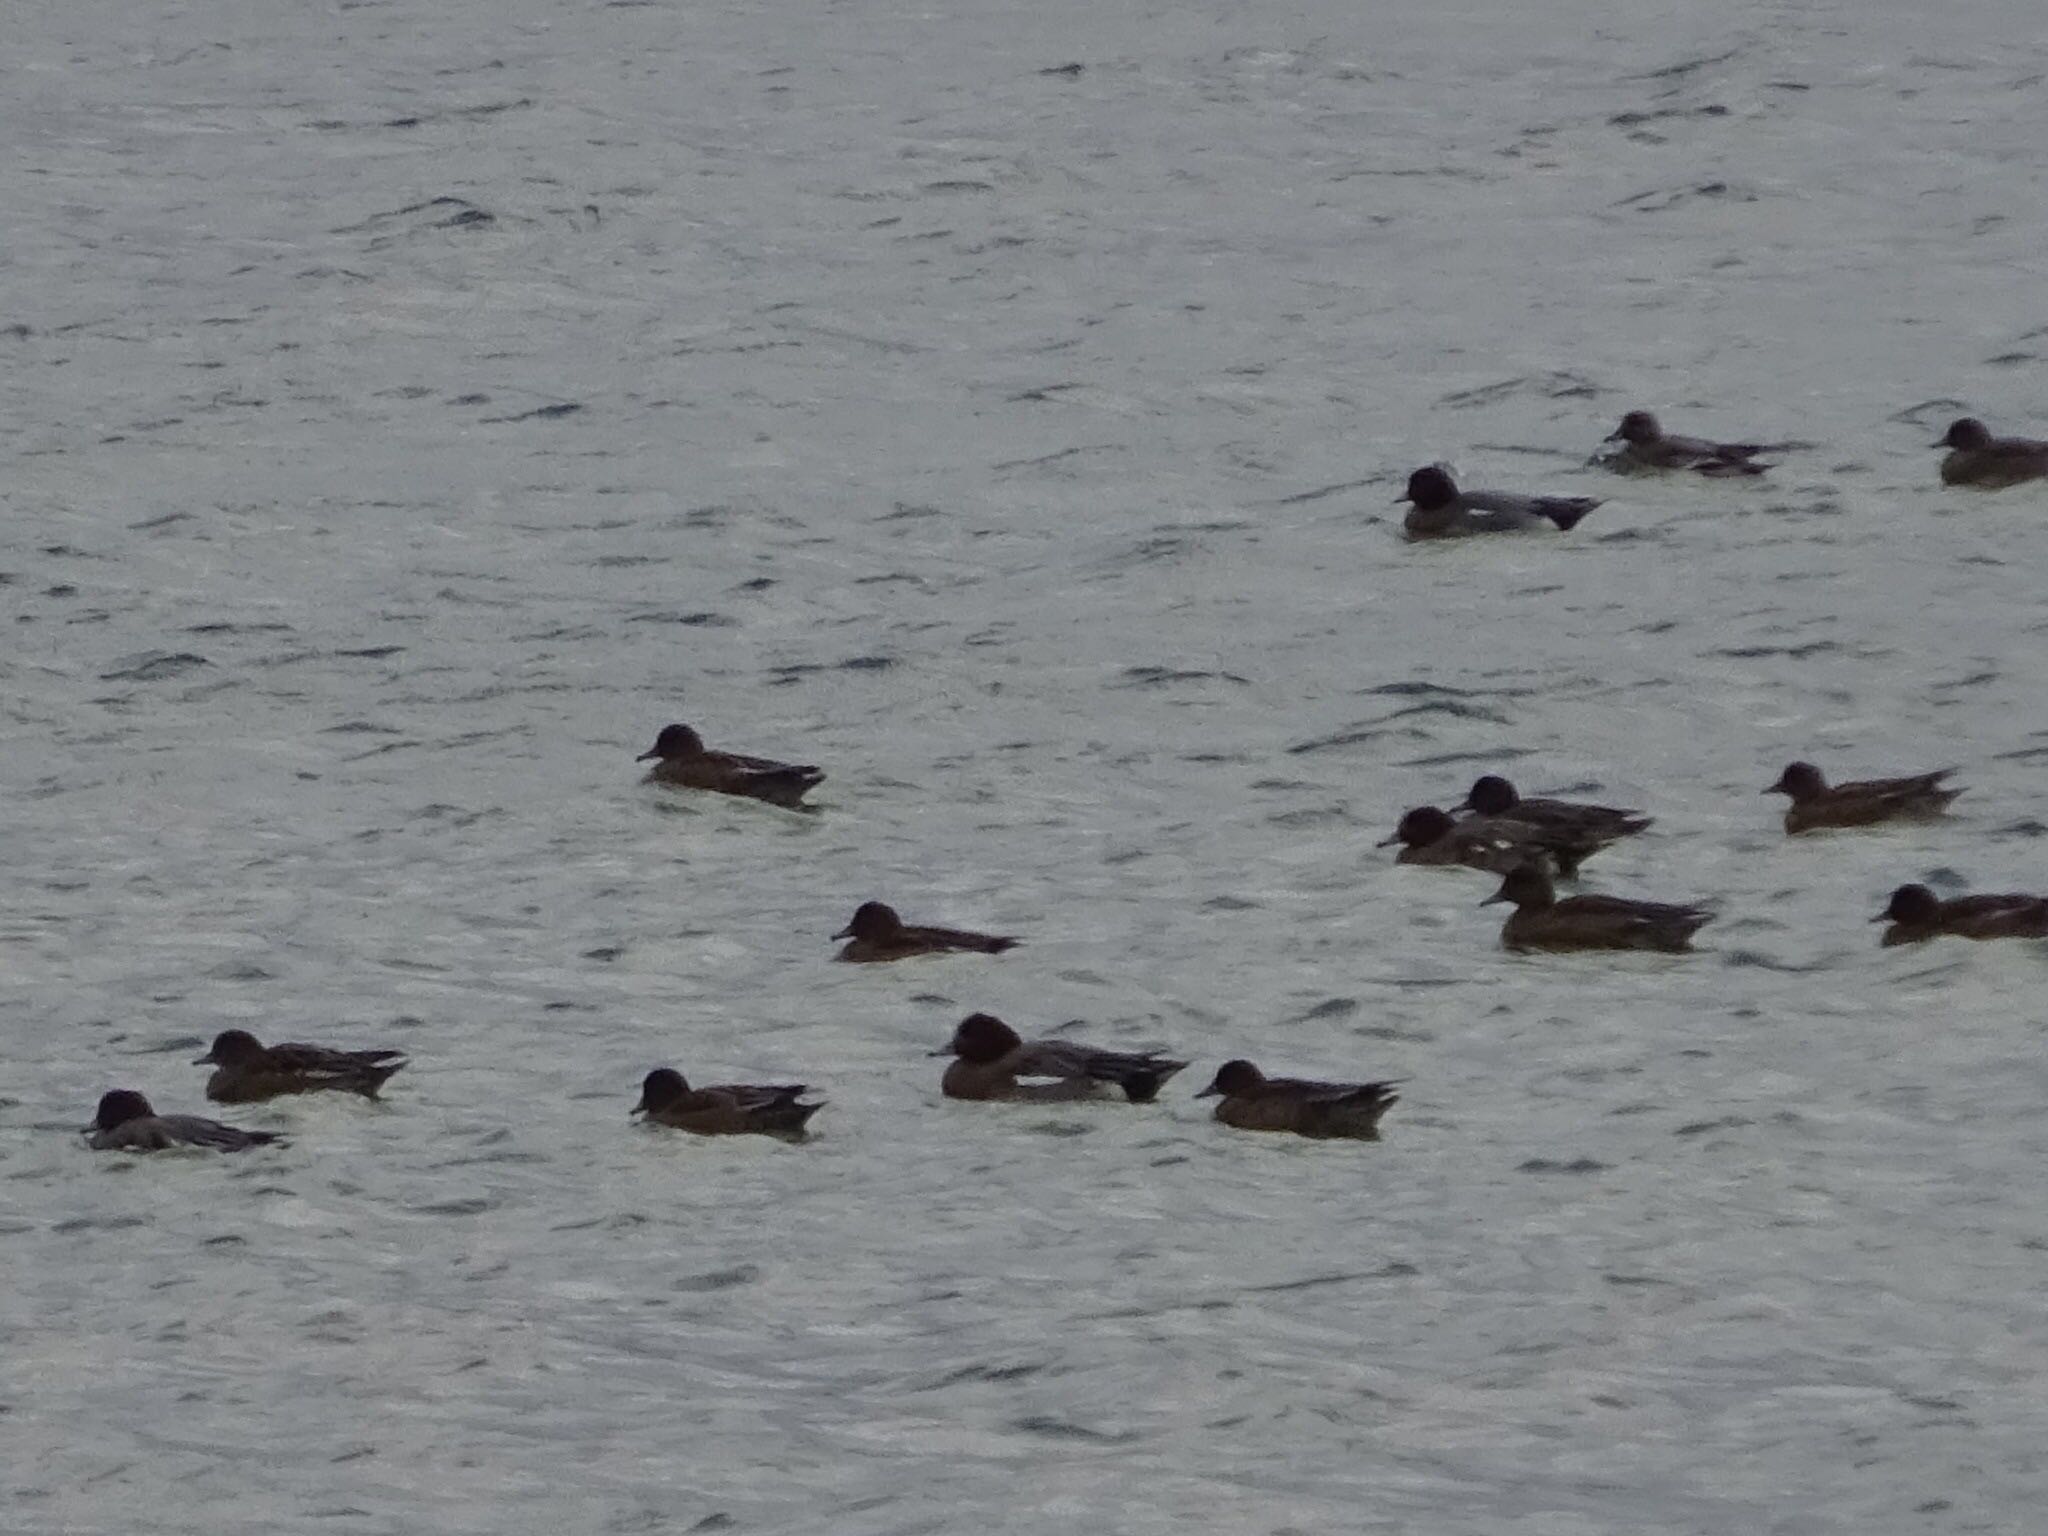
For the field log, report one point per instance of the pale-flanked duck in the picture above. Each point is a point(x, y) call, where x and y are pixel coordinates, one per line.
point(1441, 511)
point(1990, 463)
point(727, 1109)
point(1254, 1102)
point(1493, 796)
point(248, 1071)
point(125, 1122)
point(878, 934)
point(1430, 836)
point(1541, 921)
point(990, 1057)
point(1916, 914)
point(684, 760)
point(1861, 803)
point(1645, 445)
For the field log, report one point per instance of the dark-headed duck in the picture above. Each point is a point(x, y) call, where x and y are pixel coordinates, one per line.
point(1433, 837)
point(683, 759)
point(1861, 803)
point(126, 1123)
point(1254, 1102)
point(879, 934)
point(729, 1109)
point(989, 1057)
point(1495, 797)
point(1916, 913)
point(1541, 921)
point(247, 1071)
point(1441, 511)
point(1990, 463)
point(1645, 445)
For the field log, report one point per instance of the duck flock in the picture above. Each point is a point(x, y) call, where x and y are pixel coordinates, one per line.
point(1532, 843)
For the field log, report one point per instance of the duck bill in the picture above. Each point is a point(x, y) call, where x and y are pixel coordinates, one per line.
point(649, 754)
point(1882, 917)
point(844, 933)
point(1388, 842)
point(1210, 1092)
point(1496, 898)
point(944, 1050)
point(208, 1060)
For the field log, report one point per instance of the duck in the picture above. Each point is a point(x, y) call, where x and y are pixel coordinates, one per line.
point(1917, 914)
point(685, 761)
point(989, 1057)
point(1541, 921)
point(1495, 797)
point(1441, 511)
point(878, 934)
point(1990, 463)
point(125, 1122)
point(1433, 837)
point(247, 1071)
point(728, 1109)
point(1862, 802)
point(1646, 446)
point(1251, 1101)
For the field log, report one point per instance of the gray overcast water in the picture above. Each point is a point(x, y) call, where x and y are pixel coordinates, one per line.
point(412, 406)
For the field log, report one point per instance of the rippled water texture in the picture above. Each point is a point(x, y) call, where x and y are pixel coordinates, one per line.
point(413, 406)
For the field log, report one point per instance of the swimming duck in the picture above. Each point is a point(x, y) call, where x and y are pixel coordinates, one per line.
point(1442, 511)
point(1541, 921)
point(729, 1109)
point(1646, 446)
point(685, 760)
point(1254, 1102)
point(1861, 803)
point(1430, 836)
point(1494, 796)
point(989, 1057)
point(1990, 463)
point(879, 934)
point(249, 1071)
point(125, 1122)
point(1916, 914)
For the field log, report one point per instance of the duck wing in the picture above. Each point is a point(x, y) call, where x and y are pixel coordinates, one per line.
point(1623, 908)
point(1907, 786)
point(763, 778)
point(960, 938)
point(194, 1131)
point(1501, 511)
point(1310, 1091)
point(294, 1057)
point(752, 1098)
point(1138, 1073)
point(1597, 824)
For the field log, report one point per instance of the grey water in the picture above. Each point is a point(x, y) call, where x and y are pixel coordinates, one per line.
point(411, 407)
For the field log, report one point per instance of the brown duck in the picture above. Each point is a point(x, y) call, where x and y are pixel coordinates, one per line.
point(879, 934)
point(989, 1058)
point(1494, 796)
point(684, 760)
point(1430, 836)
point(1990, 463)
point(1541, 921)
point(1645, 445)
point(1254, 1102)
point(1862, 802)
point(125, 1122)
point(729, 1109)
point(1916, 914)
point(247, 1071)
